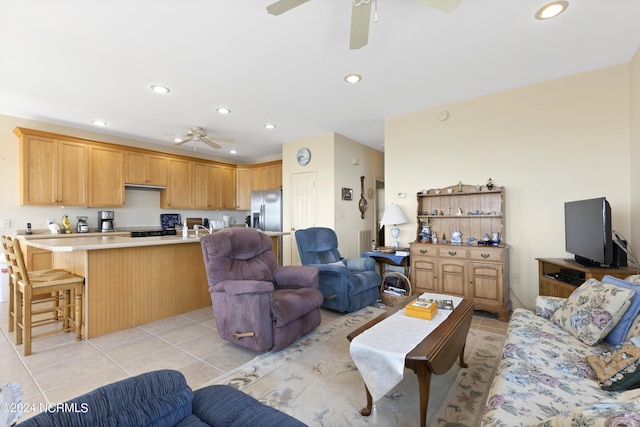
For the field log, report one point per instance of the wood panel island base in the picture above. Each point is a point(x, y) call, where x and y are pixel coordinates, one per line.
point(127, 286)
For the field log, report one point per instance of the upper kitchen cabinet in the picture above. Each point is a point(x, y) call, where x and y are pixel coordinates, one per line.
point(228, 187)
point(267, 176)
point(243, 188)
point(106, 177)
point(145, 169)
point(207, 186)
point(178, 193)
point(52, 171)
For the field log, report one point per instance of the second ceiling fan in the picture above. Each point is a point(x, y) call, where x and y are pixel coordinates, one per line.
point(197, 134)
point(360, 15)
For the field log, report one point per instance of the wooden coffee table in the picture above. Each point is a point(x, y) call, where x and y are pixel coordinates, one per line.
point(435, 354)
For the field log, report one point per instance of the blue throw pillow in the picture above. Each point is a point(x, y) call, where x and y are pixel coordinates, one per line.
point(619, 332)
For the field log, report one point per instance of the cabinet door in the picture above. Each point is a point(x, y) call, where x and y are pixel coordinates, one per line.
point(487, 282)
point(451, 273)
point(228, 187)
point(424, 275)
point(136, 168)
point(243, 193)
point(257, 183)
point(38, 162)
point(72, 174)
point(201, 186)
point(178, 192)
point(106, 177)
point(215, 186)
point(274, 176)
point(156, 170)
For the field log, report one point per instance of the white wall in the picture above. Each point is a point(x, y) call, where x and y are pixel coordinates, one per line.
point(561, 140)
point(142, 208)
point(635, 151)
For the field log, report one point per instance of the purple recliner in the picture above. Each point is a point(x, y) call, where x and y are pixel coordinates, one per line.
point(257, 304)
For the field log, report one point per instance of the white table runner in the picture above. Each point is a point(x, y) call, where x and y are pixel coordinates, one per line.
point(380, 351)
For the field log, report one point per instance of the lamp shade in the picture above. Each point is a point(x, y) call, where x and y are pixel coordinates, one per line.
point(393, 215)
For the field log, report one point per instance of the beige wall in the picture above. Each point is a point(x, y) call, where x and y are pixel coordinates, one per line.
point(634, 237)
point(332, 159)
point(561, 140)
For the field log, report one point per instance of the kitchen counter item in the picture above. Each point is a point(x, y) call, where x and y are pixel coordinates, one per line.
point(193, 221)
point(170, 221)
point(82, 226)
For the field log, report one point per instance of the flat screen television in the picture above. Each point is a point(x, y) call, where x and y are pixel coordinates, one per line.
point(588, 232)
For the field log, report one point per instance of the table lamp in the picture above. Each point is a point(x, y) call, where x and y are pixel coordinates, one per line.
point(393, 215)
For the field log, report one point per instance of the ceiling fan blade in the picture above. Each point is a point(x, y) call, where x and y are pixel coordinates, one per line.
point(211, 143)
point(220, 139)
point(283, 6)
point(184, 141)
point(442, 5)
point(360, 18)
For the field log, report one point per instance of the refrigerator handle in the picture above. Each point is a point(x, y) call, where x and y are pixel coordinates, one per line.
point(262, 212)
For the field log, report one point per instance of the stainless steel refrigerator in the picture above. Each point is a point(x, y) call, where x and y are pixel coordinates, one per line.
point(266, 213)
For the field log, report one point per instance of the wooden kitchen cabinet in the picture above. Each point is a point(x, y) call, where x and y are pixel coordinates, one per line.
point(53, 171)
point(145, 168)
point(267, 176)
point(207, 186)
point(228, 187)
point(106, 177)
point(475, 271)
point(178, 194)
point(243, 188)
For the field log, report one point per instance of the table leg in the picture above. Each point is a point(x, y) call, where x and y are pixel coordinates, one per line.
point(463, 364)
point(366, 411)
point(424, 383)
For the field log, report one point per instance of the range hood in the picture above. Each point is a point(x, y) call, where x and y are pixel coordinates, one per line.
point(144, 187)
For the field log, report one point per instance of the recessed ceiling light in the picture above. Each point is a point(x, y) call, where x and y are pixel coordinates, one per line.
point(270, 126)
point(352, 78)
point(223, 110)
point(552, 10)
point(178, 139)
point(160, 89)
point(99, 122)
point(233, 152)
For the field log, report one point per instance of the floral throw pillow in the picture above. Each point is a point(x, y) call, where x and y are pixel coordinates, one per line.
point(593, 310)
point(617, 370)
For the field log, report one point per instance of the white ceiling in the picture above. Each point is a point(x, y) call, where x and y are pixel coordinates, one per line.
point(72, 61)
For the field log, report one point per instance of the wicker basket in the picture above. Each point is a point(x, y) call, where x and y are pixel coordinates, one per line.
point(397, 280)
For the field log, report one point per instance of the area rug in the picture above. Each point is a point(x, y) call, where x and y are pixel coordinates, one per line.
point(315, 381)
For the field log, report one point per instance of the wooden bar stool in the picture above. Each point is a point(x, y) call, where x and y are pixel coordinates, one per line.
point(63, 289)
point(6, 240)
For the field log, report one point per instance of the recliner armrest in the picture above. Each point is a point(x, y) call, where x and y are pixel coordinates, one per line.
point(296, 276)
point(239, 287)
point(361, 264)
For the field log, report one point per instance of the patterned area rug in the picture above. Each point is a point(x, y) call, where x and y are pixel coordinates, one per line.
point(315, 381)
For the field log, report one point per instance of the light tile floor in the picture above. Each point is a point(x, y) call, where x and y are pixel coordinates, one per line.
point(60, 368)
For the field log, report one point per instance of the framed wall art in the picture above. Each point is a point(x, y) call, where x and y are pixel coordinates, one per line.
point(347, 193)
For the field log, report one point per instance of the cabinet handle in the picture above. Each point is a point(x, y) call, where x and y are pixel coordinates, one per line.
point(485, 256)
point(423, 251)
point(452, 253)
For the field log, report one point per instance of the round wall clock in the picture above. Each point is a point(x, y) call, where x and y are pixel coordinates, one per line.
point(304, 156)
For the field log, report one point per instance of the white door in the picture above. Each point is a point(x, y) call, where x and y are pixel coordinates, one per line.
point(303, 207)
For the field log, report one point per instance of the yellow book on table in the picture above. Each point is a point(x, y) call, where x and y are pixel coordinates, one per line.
point(423, 310)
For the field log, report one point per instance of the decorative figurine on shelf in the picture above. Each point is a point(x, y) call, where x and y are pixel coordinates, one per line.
point(459, 186)
point(434, 238)
point(456, 237)
point(489, 184)
point(444, 238)
point(459, 211)
point(478, 187)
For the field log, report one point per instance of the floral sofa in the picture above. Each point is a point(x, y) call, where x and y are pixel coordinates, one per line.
point(546, 376)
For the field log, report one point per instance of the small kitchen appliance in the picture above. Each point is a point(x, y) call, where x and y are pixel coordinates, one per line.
point(106, 221)
point(82, 226)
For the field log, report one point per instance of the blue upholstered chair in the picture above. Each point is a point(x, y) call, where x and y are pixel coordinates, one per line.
point(346, 284)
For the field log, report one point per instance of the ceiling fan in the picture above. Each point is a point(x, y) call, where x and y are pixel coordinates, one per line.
point(197, 134)
point(360, 15)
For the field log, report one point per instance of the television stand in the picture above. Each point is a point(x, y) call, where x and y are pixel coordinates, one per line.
point(553, 271)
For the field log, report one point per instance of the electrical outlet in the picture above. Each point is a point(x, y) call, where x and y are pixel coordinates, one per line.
point(6, 223)
point(515, 277)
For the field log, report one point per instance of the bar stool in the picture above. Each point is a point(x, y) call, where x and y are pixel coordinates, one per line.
point(39, 273)
point(63, 289)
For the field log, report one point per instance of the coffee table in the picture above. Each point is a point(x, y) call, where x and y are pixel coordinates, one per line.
point(435, 354)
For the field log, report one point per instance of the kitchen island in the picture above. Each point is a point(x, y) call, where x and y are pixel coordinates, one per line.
point(132, 281)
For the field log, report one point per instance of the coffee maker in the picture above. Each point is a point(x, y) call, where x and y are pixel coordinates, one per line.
point(105, 221)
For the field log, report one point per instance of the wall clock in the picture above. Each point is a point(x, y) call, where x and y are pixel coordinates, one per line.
point(304, 156)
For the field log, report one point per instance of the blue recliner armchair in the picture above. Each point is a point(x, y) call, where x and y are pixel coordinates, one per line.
point(346, 284)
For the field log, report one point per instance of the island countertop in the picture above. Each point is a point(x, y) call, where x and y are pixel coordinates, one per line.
point(93, 242)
